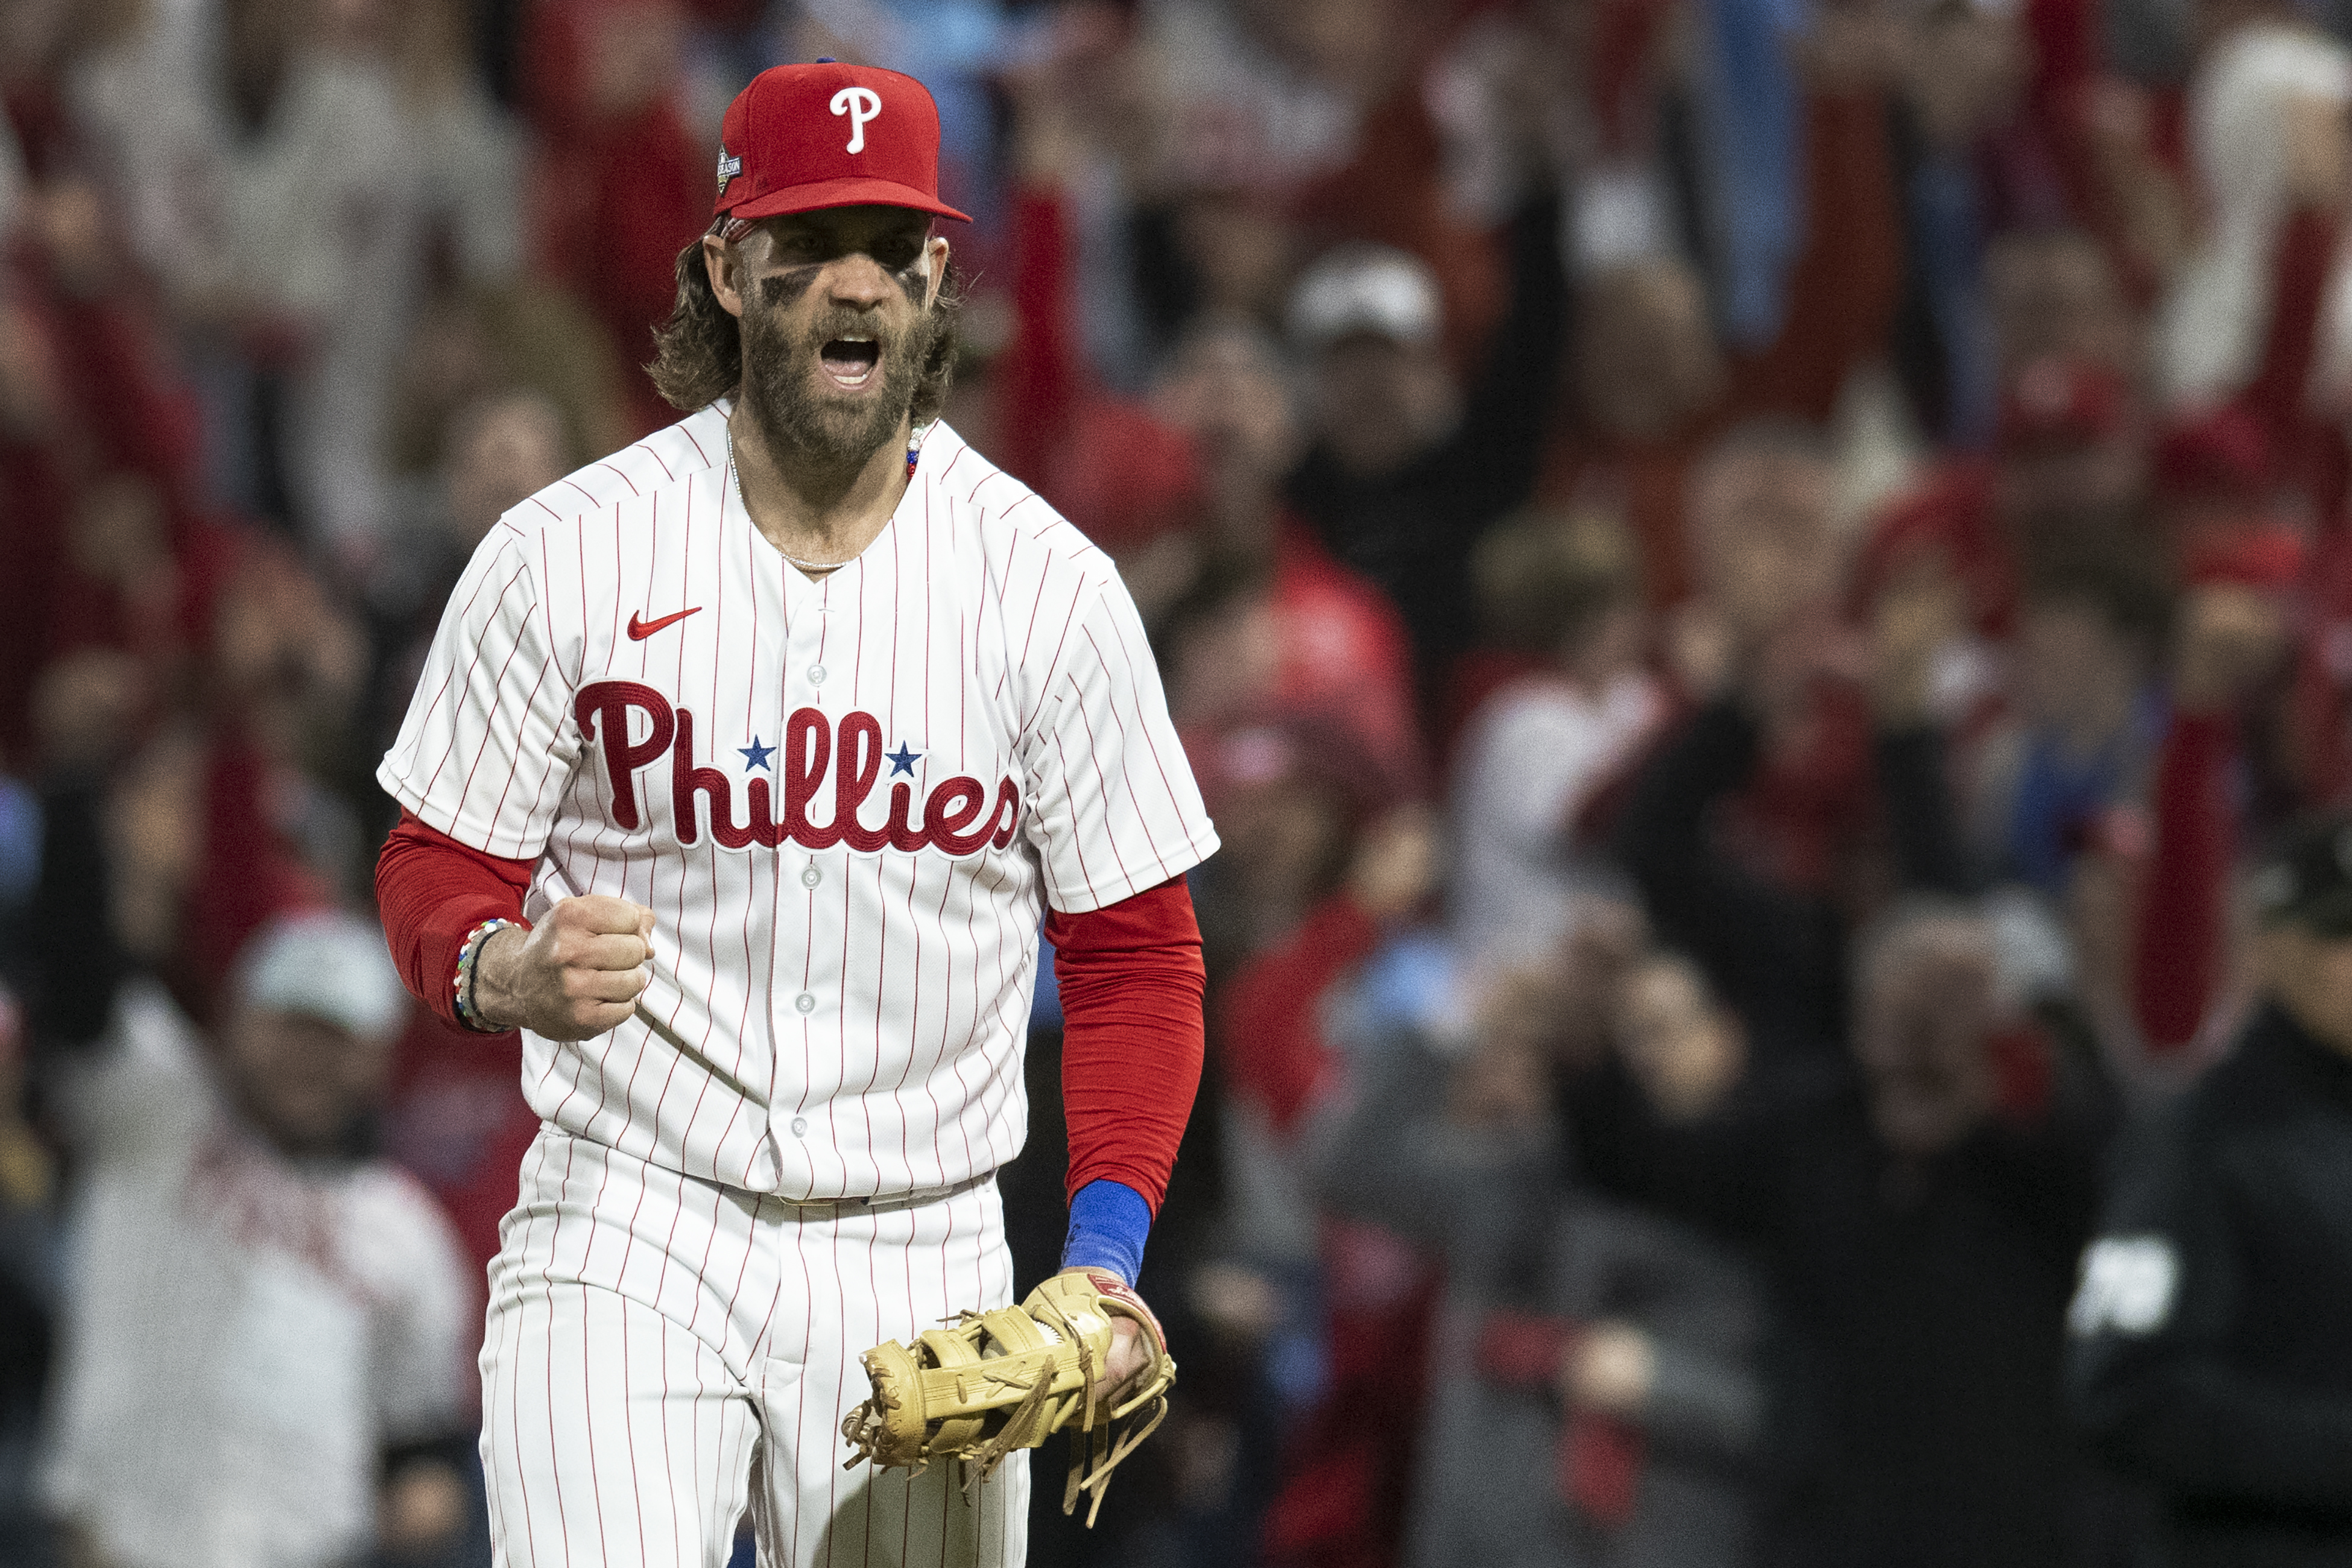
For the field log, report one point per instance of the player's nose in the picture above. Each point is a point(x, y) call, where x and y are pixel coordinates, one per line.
point(859, 281)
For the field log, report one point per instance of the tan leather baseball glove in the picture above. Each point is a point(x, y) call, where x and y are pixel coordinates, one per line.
point(993, 1382)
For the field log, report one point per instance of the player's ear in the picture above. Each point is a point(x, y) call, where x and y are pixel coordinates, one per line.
point(724, 263)
point(935, 269)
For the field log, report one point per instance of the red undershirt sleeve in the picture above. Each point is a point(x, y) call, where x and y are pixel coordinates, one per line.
point(431, 891)
point(1131, 983)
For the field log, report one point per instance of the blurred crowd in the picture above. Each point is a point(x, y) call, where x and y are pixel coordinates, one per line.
point(1743, 581)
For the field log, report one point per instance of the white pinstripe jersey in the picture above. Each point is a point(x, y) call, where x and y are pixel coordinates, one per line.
point(844, 800)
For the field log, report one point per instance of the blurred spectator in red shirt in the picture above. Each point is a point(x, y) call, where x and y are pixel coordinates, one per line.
point(619, 185)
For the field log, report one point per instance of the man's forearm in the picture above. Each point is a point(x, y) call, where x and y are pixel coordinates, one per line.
point(431, 891)
point(1131, 983)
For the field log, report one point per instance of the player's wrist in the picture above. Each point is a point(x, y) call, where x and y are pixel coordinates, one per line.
point(1109, 1222)
point(492, 995)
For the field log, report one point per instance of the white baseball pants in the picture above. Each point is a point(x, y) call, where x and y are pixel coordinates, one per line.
point(663, 1352)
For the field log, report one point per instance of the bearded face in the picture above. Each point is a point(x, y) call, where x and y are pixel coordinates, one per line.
point(833, 381)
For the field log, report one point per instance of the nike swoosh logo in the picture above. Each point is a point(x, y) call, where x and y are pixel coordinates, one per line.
point(639, 629)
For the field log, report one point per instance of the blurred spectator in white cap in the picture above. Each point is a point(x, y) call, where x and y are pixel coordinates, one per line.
point(1406, 466)
point(265, 1329)
point(1367, 287)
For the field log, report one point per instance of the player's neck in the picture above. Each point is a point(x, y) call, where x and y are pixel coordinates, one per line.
point(813, 510)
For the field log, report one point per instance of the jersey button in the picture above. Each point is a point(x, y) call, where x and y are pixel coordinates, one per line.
point(816, 675)
point(812, 877)
point(805, 1002)
point(800, 1126)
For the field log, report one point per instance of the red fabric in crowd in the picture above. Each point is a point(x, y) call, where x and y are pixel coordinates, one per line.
point(2302, 255)
point(1037, 377)
point(1812, 802)
point(1848, 280)
point(1600, 1466)
point(32, 541)
point(1106, 463)
point(1269, 1014)
point(646, 206)
point(1348, 1464)
point(247, 875)
point(2305, 451)
point(2023, 1073)
point(114, 369)
point(2263, 555)
point(430, 891)
point(1524, 1349)
point(2179, 943)
point(615, 194)
point(1950, 514)
point(455, 1119)
point(1344, 656)
point(1131, 978)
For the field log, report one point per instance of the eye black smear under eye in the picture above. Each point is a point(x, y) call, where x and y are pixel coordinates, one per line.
point(784, 287)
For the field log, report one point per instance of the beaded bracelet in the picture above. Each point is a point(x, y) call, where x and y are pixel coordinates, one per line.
point(462, 984)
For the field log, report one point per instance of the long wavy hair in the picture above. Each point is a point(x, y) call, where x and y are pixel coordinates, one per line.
point(698, 352)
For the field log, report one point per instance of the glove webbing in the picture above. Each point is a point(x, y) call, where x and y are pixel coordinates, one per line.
point(1091, 1464)
point(983, 1461)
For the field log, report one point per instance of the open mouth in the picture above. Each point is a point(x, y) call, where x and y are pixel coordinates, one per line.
point(850, 361)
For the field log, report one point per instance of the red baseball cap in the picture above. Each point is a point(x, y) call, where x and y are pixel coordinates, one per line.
point(2265, 555)
point(805, 137)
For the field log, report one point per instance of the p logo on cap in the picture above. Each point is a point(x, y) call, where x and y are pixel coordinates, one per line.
point(861, 104)
point(782, 149)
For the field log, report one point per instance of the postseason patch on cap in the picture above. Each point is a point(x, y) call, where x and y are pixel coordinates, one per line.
point(730, 165)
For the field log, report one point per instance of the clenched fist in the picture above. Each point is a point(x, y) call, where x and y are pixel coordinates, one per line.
point(574, 975)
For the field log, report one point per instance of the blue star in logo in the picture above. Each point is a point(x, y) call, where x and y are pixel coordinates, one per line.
point(756, 755)
point(903, 761)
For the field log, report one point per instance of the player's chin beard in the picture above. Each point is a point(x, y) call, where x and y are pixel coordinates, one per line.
point(782, 391)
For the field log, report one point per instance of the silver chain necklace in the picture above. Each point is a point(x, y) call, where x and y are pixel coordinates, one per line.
point(735, 477)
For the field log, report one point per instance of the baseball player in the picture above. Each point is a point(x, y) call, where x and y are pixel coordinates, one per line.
point(743, 768)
